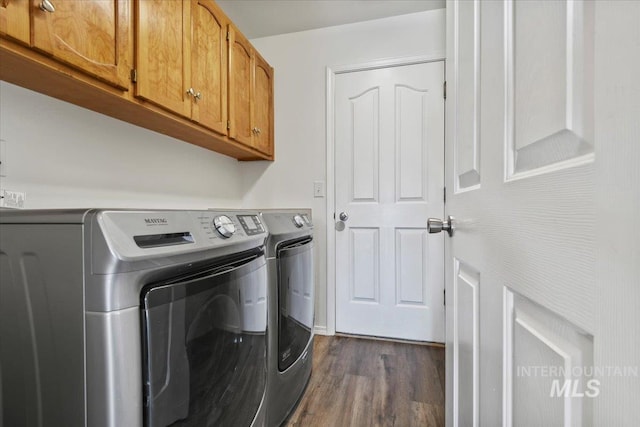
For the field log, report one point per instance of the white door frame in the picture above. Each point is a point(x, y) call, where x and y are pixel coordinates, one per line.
point(331, 237)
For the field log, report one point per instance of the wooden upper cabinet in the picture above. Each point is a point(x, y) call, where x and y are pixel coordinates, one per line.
point(14, 20)
point(181, 59)
point(90, 35)
point(262, 106)
point(240, 76)
point(250, 95)
point(163, 54)
point(209, 65)
point(192, 74)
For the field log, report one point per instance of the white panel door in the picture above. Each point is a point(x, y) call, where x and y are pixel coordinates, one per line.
point(542, 119)
point(389, 139)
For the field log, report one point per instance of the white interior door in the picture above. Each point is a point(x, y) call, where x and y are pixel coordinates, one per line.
point(389, 148)
point(542, 114)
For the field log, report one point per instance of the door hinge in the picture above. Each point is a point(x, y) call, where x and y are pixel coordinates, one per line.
point(134, 76)
point(444, 194)
point(227, 35)
point(444, 90)
point(228, 124)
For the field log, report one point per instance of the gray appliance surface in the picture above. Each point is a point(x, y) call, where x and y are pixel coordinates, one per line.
point(285, 387)
point(282, 227)
point(70, 290)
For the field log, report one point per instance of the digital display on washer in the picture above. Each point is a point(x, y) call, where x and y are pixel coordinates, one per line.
point(251, 224)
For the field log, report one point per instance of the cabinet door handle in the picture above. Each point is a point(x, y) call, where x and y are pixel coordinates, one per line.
point(47, 6)
point(197, 96)
point(191, 92)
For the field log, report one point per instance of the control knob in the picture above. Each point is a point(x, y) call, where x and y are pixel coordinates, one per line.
point(224, 226)
point(298, 221)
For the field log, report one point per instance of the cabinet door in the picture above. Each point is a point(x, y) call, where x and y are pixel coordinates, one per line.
point(163, 54)
point(262, 111)
point(239, 87)
point(91, 35)
point(209, 65)
point(14, 19)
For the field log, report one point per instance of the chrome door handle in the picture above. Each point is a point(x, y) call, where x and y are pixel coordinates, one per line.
point(435, 225)
point(343, 216)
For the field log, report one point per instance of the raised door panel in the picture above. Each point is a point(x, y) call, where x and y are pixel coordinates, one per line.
point(91, 35)
point(263, 106)
point(239, 87)
point(466, 95)
point(209, 65)
point(411, 284)
point(412, 115)
point(14, 20)
point(466, 319)
point(365, 252)
point(551, 127)
point(548, 364)
point(163, 54)
point(364, 109)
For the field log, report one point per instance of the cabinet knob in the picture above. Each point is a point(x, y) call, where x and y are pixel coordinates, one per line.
point(193, 93)
point(47, 6)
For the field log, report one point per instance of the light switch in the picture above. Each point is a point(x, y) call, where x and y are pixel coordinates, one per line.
point(318, 189)
point(3, 157)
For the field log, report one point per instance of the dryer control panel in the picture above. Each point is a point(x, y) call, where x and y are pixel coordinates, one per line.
point(251, 224)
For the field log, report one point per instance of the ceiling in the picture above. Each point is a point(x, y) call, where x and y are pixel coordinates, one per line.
point(261, 18)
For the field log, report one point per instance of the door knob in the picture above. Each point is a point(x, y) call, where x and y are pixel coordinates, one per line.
point(47, 6)
point(435, 225)
point(343, 216)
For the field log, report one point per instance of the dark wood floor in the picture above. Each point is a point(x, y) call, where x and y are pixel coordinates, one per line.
point(360, 382)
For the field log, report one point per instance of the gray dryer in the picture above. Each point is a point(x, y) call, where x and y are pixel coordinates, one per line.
point(291, 309)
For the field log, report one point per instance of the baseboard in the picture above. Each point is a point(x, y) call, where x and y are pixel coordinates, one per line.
point(398, 340)
point(321, 330)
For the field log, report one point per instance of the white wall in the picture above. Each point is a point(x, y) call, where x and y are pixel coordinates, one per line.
point(300, 61)
point(66, 156)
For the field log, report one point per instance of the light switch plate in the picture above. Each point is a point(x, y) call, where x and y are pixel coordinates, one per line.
point(318, 189)
point(3, 157)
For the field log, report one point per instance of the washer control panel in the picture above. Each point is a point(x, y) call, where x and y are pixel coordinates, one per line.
point(224, 226)
point(251, 224)
point(135, 235)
